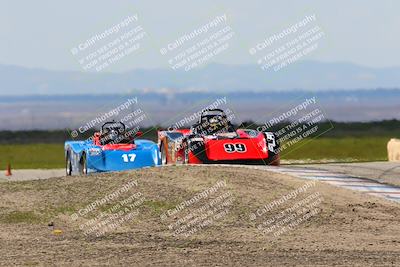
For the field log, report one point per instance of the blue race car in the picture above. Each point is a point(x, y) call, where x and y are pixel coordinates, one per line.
point(112, 149)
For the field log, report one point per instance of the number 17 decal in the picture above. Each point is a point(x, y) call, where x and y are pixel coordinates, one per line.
point(238, 147)
point(128, 157)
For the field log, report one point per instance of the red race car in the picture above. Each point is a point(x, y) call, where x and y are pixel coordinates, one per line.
point(214, 140)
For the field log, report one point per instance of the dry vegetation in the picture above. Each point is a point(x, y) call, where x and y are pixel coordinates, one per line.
point(350, 229)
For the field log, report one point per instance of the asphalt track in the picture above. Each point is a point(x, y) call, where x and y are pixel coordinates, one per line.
point(347, 175)
point(365, 185)
point(32, 174)
point(380, 179)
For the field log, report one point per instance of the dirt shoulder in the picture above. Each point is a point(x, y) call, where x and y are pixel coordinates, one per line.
point(188, 216)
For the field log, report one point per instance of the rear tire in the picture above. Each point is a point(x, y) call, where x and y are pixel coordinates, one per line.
point(274, 158)
point(68, 164)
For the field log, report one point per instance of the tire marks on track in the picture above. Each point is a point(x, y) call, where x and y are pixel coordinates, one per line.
point(367, 186)
point(364, 185)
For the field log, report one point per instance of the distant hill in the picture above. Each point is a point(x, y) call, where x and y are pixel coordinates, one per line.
point(307, 75)
point(30, 112)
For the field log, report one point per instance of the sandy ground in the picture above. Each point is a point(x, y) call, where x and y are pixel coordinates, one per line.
point(229, 214)
point(384, 172)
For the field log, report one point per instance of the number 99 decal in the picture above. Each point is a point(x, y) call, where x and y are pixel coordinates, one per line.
point(238, 147)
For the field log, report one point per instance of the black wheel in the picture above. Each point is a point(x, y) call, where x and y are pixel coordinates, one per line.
point(197, 148)
point(68, 164)
point(163, 154)
point(275, 160)
point(185, 147)
point(83, 165)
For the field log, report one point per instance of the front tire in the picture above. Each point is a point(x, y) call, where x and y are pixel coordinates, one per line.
point(83, 165)
point(163, 154)
point(68, 164)
point(275, 160)
point(185, 152)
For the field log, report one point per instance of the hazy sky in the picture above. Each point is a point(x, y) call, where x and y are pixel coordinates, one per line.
point(41, 33)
